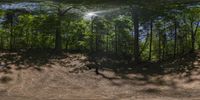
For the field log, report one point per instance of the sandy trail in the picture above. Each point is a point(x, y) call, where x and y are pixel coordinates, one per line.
point(59, 82)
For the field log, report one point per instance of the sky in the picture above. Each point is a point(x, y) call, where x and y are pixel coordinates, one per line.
point(23, 5)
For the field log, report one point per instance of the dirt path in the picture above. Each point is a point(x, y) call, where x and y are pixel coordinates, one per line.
point(58, 82)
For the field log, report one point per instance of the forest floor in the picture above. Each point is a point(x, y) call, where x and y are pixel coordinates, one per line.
point(40, 76)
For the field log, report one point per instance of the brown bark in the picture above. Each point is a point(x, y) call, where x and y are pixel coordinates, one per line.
point(136, 36)
point(151, 38)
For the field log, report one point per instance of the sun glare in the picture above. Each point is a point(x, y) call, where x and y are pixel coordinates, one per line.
point(89, 15)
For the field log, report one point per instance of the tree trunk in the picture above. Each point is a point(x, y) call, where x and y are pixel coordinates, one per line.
point(2, 44)
point(193, 35)
point(107, 43)
point(164, 39)
point(183, 47)
point(27, 38)
point(164, 46)
point(96, 41)
point(66, 37)
point(116, 40)
point(151, 38)
point(91, 37)
point(159, 46)
point(136, 36)
point(11, 33)
point(58, 42)
point(175, 38)
point(67, 45)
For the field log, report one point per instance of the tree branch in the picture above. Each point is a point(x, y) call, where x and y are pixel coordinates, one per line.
point(66, 10)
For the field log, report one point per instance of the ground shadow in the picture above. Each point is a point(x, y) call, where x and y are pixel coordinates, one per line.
point(5, 79)
point(147, 72)
point(140, 74)
point(35, 58)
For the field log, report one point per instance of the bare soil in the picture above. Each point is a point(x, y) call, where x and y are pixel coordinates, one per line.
point(69, 78)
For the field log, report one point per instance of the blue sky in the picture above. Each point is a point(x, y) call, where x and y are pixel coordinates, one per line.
point(23, 5)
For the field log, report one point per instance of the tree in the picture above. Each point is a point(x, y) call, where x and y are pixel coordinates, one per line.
point(193, 15)
point(59, 10)
point(135, 16)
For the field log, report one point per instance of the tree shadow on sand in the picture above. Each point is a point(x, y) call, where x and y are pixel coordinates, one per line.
point(159, 74)
point(27, 59)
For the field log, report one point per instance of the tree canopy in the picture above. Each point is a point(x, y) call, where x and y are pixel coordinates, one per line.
point(142, 29)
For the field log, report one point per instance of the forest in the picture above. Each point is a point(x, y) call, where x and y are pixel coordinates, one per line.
point(145, 32)
point(126, 36)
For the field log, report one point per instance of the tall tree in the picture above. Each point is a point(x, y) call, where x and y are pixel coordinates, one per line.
point(135, 16)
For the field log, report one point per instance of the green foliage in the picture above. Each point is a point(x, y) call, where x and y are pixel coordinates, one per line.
point(105, 33)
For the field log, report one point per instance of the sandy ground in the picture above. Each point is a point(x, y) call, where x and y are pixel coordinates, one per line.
point(69, 79)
